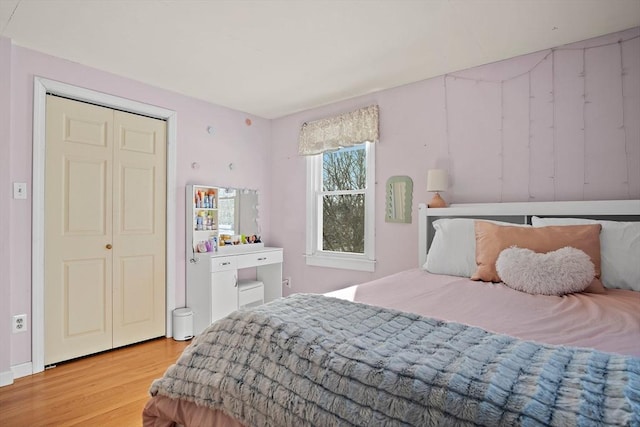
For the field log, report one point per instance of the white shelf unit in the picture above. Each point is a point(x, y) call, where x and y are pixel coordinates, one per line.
point(202, 218)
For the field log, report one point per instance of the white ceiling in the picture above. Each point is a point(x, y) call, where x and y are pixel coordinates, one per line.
point(273, 58)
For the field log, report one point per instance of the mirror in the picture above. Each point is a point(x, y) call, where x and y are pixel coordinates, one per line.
point(399, 199)
point(237, 212)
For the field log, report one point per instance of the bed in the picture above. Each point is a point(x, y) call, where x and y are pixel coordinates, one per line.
point(431, 346)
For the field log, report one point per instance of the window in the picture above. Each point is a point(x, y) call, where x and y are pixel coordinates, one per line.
point(340, 208)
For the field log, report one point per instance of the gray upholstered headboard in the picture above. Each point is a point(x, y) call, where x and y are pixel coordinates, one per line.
point(521, 213)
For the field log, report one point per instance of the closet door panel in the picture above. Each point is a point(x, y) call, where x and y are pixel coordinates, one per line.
point(86, 298)
point(139, 207)
point(78, 265)
point(137, 278)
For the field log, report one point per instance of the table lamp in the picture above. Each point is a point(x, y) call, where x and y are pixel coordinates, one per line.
point(437, 181)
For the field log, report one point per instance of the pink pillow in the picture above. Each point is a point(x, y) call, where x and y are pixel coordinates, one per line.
point(492, 239)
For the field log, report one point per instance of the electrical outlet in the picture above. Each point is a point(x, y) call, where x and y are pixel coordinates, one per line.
point(19, 323)
point(287, 282)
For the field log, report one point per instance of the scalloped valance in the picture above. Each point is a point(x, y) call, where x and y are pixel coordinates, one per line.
point(345, 130)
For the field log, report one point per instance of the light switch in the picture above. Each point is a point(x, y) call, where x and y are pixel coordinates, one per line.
point(19, 190)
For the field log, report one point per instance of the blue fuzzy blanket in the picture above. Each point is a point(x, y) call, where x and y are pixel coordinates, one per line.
point(310, 360)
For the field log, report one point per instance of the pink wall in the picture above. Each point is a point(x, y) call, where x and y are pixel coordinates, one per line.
point(516, 130)
point(5, 195)
point(247, 147)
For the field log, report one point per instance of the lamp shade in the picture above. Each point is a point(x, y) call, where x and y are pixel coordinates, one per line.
point(437, 180)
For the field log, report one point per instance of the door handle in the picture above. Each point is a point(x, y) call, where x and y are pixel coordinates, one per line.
point(108, 246)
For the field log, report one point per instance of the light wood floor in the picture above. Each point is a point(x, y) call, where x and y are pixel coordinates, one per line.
point(108, 389)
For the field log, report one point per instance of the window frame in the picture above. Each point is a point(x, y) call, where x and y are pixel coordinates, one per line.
point(351, 261)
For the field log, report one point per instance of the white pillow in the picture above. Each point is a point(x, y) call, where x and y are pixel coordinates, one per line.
point(563, 271)
point(619, 250)
point(453, 249)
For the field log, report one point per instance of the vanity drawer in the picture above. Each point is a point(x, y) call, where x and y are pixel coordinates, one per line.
point(259, 258)
point(250, 292)
point(223, 263)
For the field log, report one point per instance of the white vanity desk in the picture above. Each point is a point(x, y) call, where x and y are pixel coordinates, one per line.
point(213, 289)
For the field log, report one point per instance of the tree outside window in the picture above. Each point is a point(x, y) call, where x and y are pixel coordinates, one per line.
point(344, 180)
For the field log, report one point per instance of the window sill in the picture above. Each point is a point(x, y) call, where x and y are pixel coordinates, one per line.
point(346, 262)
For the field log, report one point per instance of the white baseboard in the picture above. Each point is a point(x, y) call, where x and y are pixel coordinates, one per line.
point(22, 370)
point(6, 378)
point(17, 371)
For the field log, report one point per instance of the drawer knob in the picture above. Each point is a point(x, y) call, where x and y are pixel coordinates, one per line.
point(108, 246)
point(225, 263)
point(262, 258)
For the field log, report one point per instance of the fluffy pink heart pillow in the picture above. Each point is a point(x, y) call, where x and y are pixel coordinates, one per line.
point(559, 272)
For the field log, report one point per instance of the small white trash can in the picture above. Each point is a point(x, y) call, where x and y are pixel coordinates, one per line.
point(182, 324)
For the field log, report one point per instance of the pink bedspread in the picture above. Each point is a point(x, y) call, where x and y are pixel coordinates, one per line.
point(607, 322)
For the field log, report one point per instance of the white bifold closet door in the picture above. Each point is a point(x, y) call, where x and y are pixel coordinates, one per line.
point(105, 215)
